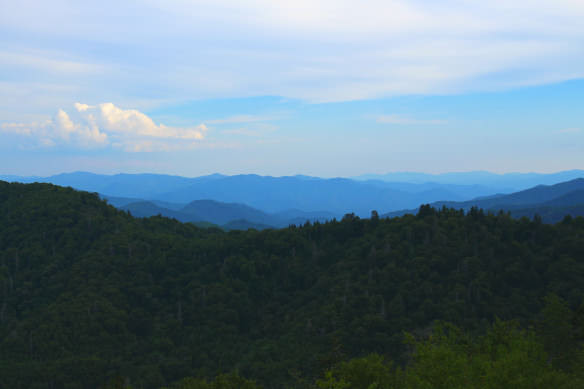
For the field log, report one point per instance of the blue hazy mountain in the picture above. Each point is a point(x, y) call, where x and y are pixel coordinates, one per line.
point(143, 208)
point(225, 215)
point(147, 186)
point(538, 195)
point(568, 199)
point(336, 195)
point(276, 194)
point(309, 194)
point(551, 202)
point(454, 192)
point(120, 202)
point(508, 182)
point(222, 213)
point(243, 224)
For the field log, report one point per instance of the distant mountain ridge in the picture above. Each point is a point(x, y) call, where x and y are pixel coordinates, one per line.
point(271, 197)
point(551, 202)
point(270, 194)
point(541, 194)
point(511, 181)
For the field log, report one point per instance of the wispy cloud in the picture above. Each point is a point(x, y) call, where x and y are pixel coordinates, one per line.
point(105, 125)
point(327, 50)
point(252, 129)
point(243, 132)
point(399, 119)
point(240, 119)
point(48, 62)
point(572, 130)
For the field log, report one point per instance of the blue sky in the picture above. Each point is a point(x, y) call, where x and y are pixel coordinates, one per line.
point(327, 88)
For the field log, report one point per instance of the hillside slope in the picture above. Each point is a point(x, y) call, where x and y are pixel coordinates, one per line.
point(88, 292)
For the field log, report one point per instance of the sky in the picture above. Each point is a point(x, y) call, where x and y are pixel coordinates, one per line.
point(323, 88)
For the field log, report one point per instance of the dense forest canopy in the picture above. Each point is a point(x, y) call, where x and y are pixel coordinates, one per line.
point(89, 293)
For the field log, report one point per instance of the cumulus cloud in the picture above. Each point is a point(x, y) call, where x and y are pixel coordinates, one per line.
point(105, 125)
point(81, 107)
point(59, 130)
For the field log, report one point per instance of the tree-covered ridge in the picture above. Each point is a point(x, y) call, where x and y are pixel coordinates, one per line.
point(89, 293)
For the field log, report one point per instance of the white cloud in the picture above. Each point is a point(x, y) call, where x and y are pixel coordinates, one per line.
point(81, 107)
point(399, 119)
point(105, 125)
point(59, 130)
point(135, 123)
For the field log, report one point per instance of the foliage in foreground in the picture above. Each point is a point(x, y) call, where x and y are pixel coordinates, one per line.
point(506, 357)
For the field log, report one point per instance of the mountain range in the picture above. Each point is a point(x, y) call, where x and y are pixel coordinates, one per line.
point(511, 182)
point(225, 215)
point(270, 194)
point(244, 201)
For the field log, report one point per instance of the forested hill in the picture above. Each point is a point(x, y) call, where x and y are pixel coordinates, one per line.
point(88, 293)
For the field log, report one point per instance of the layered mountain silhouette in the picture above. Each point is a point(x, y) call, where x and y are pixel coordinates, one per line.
point(272, 194)
point(551, 202)
point(264, 201)
point(511, 182)
point(226, 215)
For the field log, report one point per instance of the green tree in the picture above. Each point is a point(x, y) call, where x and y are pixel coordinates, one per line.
point(222, 381)
point(555, 327)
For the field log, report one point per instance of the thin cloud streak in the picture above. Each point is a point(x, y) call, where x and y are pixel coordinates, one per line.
point(48, 63)
point(240, 119)
point(572, 130)
point(398, 119)
point(243, 132)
